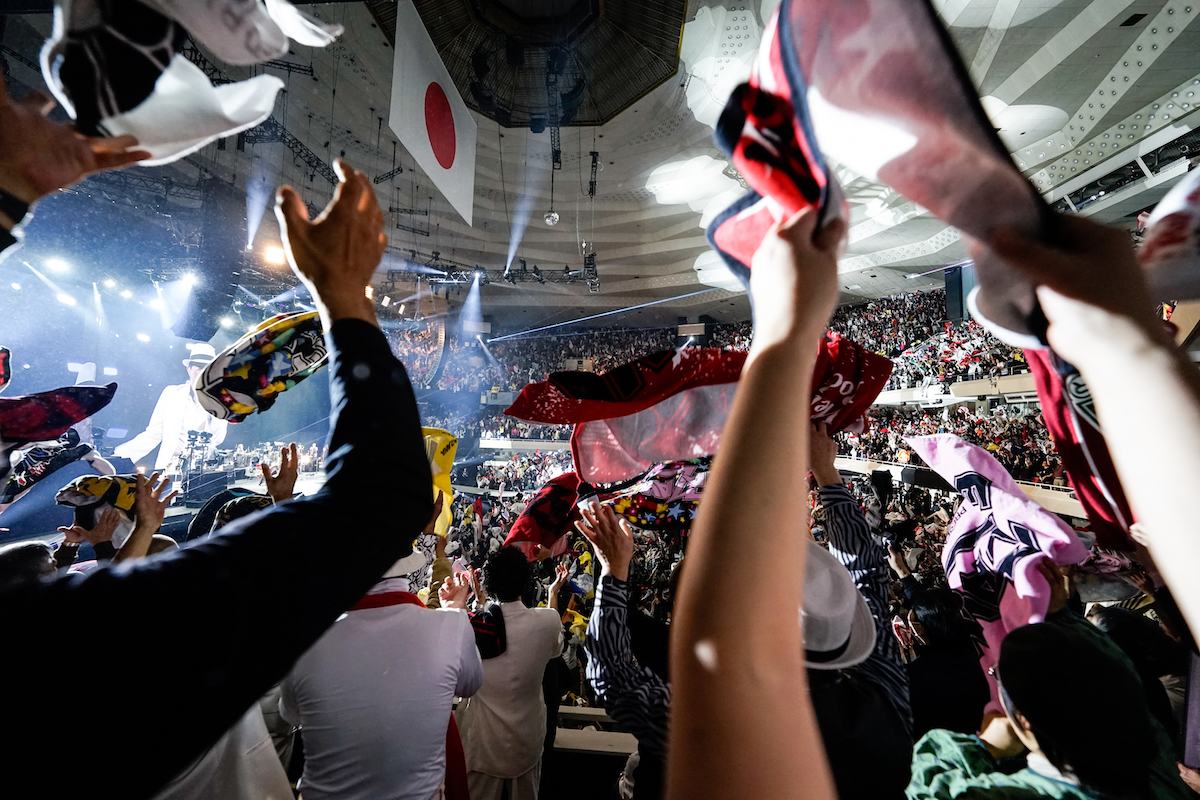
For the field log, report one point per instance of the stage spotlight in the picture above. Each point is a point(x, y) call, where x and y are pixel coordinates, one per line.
point(57, 264)
point(109, 283)
point(16, 286)
point(189, 280)
point(126, 294)
point(226, 322)
point(508, 275)
point(402, 308)
point(537, 275)
point(370, 292)
point(386, 301)
point(274, 255)
point(141, 337)
point(65, 298)
point(481, 275)
point(156, 304)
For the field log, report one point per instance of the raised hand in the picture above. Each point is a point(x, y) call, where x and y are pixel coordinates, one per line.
point(896, 561)
point(437, 512)
point(282, 484)
point(477, 585)
point(822, 453)
point(106, 526)
point(336, 254)
point(152, 501)
point(611, 538)
point(39, 156)
point(793, 280)
point(455, 591)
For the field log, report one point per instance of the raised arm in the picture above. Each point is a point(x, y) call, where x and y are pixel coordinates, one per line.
point(737, 657)
point(237, 609)
point(850, 542)
point(633, 695)
point(1146, 391)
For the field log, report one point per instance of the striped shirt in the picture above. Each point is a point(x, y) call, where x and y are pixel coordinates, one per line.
point(633, 695)
point(851, 543)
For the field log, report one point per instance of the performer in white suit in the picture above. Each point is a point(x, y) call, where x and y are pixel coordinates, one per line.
point(175, 414)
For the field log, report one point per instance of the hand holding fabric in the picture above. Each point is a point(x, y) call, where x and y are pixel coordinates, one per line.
point(793, 280)
point(39, 156)
point(1090, 284)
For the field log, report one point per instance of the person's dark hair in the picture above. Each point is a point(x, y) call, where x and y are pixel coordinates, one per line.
point(25, 562)
point(1084, 705)
point(940, 613)
point(1150, 650)
point(507, 574)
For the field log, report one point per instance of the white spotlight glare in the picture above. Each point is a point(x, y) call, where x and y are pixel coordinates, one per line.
point(189, 279)
point(156, 304)
point(127, 294)
point(141, 337)
point(226, 322)
point(274, 255)
point(16, 286)
point(65, 298)
point(109, 283)
point(57, 264)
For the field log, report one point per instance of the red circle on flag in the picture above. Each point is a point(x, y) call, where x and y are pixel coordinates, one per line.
point(439, 124)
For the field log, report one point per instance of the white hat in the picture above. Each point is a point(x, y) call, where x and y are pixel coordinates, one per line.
point(408, 565)
point(839, 631)
point(202, 354)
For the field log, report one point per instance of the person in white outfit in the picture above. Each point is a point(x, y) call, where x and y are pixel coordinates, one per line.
point(503, 726)
point(175, 414)
point(373, 696)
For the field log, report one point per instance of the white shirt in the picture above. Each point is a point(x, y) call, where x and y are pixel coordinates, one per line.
point(176, 412)
point(374, 697)
point(242, 765)
point(503, 726)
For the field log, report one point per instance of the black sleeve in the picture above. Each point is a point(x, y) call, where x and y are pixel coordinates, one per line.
point(912, 587)
point(1168, 611)
point(225, 618)
point(105, 551)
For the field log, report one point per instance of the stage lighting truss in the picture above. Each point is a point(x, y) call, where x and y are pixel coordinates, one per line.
point(439, 271)
point(590, 273)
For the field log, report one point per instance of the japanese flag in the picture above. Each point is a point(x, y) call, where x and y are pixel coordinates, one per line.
point(428, 114)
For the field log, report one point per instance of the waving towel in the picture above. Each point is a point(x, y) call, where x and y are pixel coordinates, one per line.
point(665, 498)
point(46, 415)
point(877, 85)
point(252, 372)
point(548, 518)
point(995, 542)
point(440, 448)
point(672, 406)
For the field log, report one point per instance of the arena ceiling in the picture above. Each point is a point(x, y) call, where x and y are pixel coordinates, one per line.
point(1126, 72)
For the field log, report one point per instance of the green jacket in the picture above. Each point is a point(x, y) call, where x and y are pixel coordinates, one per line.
point(955, 765)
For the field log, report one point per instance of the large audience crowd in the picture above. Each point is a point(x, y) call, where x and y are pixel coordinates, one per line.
point(337, 645)
point(1016, 436)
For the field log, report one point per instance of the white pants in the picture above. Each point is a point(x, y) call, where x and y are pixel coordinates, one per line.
point(489, 787)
